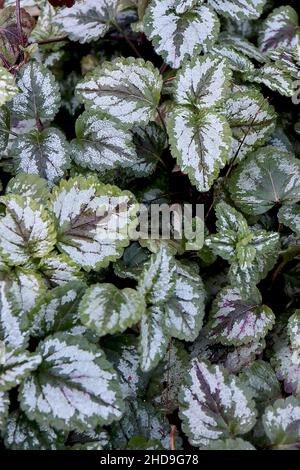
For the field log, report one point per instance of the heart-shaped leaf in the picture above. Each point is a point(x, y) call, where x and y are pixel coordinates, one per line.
point(280, 30)
point(154, 338)
point(282, 422)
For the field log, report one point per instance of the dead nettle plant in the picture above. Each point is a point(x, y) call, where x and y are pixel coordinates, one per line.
point(136, 343)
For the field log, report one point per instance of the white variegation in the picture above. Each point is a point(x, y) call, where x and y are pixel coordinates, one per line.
point(39, 96)
point(4, 405)
point(101, 143)
point(290, 217)
point(157, 281)
point(185, 309)
point(4, 127)
point(239, 10)
point(27, 230)
point(237, 61)
point(45, 27)
point(126, 89)
point(31, 186)
point(43, 153)
point(214, 405)
point(244, 356)
point(178, 35)
point(8, 87)
point(87, 20)
point(286, 362)
point(153, 339)
point(17, 366)
point(280, 30)
point(242, 45)
point(274, 78)
point(59, 269)
point(281, 421)
point(108, 310)
point(293, 329)
point(74, 388)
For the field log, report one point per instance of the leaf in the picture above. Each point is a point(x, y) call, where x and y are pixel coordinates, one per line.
point(46, 27)
point(101, 143)
point(4, 405)
point(93, 221)
point(230, 444)
point(157, 281)
point(153, 339)
point(23, 434)
point(274, 78)
point(39, 97)
point(286, 362)
point(31, 186)
point(87, 20)
point(142, 443)
point(201, 143)
point(59, 269)
point(251, 120)
point(237, 321)
point(74, 388)
point(186, 308)
point(293, 329)
point(106, 309)
point(178, 35)
point(266, 178)
point(238, 10)
point(4, 127)
point(243, 356)
point(261, 380)
point(132, 263)
point(91, 440)
point(126, 89)
point(57, 311)
point(8, 87)
point(43, 153)
point(17, 366)
point(280, 30)
point(237, 61)
point(150, 143)
point(202, 82)
point(282, 422)
point(214, 405)
point(290, 217)
point(26, 231)
point(242, 45)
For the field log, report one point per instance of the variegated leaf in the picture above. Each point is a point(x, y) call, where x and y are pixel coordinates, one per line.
point(214, 405)
point(286, 362)
point(274, 78)
point(132, 263)
point(57, 311)
point(43, 153)
point(39, 96)
point(93, 221)
point(153, 339)
point(280, 30)
point(288, 61)
point(290, 217)
point(31, 186)
point(87, 20)
point(4, 405)
point(251, 120)
point(157, 281)
point(293, 329)
point(106, 309)
point(185, 309)
point(17, 366)
point(126, 89)
point(236, 60)
point(91, 440)
point(242, 45)
point(102, 144)
point(243, 356)
point(282, 422)
point(74, 388)
point(201, 144)
point(178, 35)
point(4, 127)
point(26, 232)
point(8, 87)
point(181, 6)
point(237, 321)
point(266, 178)
point(45, 27)
point(202, 82)
point(150, 143)
point(59, 269)
point(230, 444)
point(239, 10)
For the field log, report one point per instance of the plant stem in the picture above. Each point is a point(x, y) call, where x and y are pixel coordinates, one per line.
point(128, 40)
point(162, 120)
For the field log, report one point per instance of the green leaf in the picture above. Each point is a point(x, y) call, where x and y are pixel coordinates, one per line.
point(26, 232)
point(286, 362)
point(251, 119)
point(101, 143)
point(43, 153)
point(23, 434)
point(236, 60)
point(31, 186)
point(142, 443)
point(92, 440)
point(132, 263)
point(239, 10)
point(237, 321)
point(17, 366)
point(126, 89)
point(280, 30)
point(87, 21)
point(4, 127)
point(266, 178)
point(178, 35)
point(157, 281)
point(281, 422)
point(4, 405)
point(230, 444)
point(154, 338)
point(150, 143)
point(106, 309)
point(57, 311)
point(74, 388)
point(214, 405)
point(274, 78)
point(45, 27)
point(293, 329)
point(242, 45)
point(93, 221)
point(59, 269)
point(39, 97)
point(290, 216)
point(186, 308)
point(200, 141)
point(8, 87)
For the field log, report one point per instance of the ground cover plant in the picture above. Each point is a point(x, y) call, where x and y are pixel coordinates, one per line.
point(129, 342)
